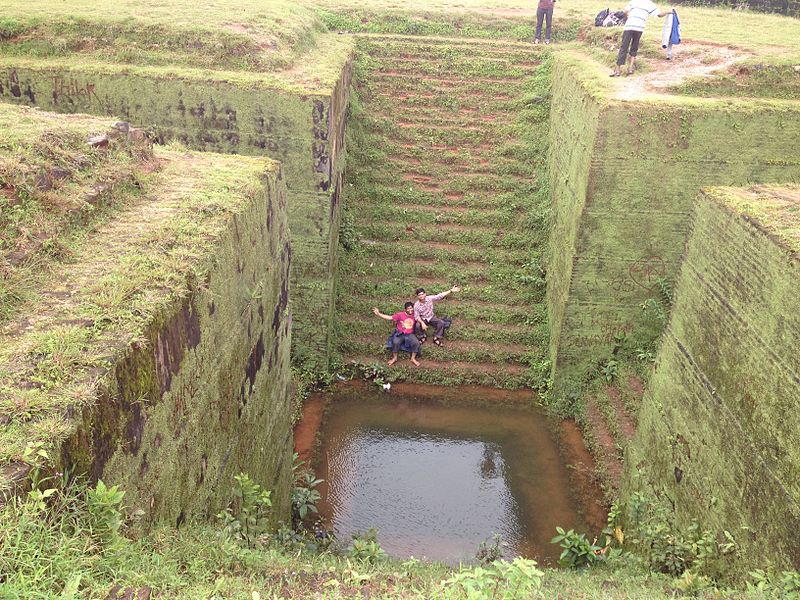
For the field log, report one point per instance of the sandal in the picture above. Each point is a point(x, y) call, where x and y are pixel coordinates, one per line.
point(422, 339)
point(615, 74)
point(437, 341)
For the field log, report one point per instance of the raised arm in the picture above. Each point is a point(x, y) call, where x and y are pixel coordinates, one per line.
point(380, 314)
point(441, 295)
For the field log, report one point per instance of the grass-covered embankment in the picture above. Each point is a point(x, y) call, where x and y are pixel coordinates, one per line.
point(142, 294)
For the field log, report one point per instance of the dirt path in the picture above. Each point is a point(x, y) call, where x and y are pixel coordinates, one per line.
point(691, 59)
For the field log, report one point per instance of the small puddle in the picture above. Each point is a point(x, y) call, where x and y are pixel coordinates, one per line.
point(436, 479)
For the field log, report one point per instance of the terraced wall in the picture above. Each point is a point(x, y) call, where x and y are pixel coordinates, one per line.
point(719, 431)
point(445, 187)
point(573, 129)
point(192, 405)
point(647, 162)
point(156, 356)
point(230, 113)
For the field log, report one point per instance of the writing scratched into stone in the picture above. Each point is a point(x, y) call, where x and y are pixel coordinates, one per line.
point(646, 272)
point(71, 89)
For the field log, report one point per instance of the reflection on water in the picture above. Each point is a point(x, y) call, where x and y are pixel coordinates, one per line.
point(436, 480)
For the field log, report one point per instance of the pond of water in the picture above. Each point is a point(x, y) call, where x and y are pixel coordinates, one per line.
point(436, 480)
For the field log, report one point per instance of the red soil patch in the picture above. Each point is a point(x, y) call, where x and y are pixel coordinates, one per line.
point(446, 365)
point(432, 262)
point(461, 345)
point(465, 393)
point(307, 428)
point(454, 195)
point(404, 158)
point(607, 446)
point(416, 178)
point(582, 473)
point(623, 418)
point(636, 386)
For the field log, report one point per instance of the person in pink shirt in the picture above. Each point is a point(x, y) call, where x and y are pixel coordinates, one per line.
point(403, 337)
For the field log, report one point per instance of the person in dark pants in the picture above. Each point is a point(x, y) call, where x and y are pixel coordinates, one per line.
point(544, 10)
point(636, 13)
point(423, 314)
point(403, 337)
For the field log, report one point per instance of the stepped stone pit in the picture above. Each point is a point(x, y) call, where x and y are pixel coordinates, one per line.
point(145, 334)
point(151, 299)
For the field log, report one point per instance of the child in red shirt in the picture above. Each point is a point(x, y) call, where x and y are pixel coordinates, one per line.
point(403, 336)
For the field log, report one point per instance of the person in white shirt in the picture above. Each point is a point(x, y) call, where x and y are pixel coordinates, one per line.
point(636, 13)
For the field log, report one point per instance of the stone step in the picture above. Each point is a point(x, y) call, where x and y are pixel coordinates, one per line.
point(451, 351)
point(444, 372)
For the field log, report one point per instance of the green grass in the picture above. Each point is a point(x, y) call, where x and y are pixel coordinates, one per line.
point(445, 173)
point(111, 279)
point(64, 549)
point(769, 36)
point(260, 35)
point(776, 209)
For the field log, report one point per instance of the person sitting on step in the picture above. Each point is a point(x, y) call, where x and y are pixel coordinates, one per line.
point(423, 315)
point(403, 337)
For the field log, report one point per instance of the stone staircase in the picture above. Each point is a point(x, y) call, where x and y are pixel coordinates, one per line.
point(444, 187)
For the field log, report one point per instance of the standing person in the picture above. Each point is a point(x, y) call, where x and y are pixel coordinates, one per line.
point(403, 337)
point(423, 314)
point(545, 9)
point(636, 13)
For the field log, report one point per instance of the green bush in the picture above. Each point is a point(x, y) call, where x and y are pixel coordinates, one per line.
point(501, 580)
point(246, 518)
point(365, 547)
point(304, 493)
point(10, 27)
point(578, 552)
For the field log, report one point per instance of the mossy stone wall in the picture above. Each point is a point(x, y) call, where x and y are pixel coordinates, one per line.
point(719, 429)
point(573, 128)
point(648, 160)
point(206, 395)
point(230, 113)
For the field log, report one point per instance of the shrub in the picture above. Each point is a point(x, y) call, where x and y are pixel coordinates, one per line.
point(578, 551)
point(246, 518)
point(501, 580)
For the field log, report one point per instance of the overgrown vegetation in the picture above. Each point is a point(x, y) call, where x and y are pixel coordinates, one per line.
point(68, 540)
point(264, 36)
point(111, 280)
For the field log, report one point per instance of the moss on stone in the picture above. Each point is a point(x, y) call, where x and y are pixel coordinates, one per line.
point(164, 340)
point(646, 163)
point(718, 428)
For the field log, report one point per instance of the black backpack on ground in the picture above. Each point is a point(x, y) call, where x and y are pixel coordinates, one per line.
point(601, 16)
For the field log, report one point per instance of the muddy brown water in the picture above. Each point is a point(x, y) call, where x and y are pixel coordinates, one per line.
point(436, 479)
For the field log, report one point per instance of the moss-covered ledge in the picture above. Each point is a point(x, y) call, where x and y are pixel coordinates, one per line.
point(719, 431)
point(622, 196)
point(154, 354)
